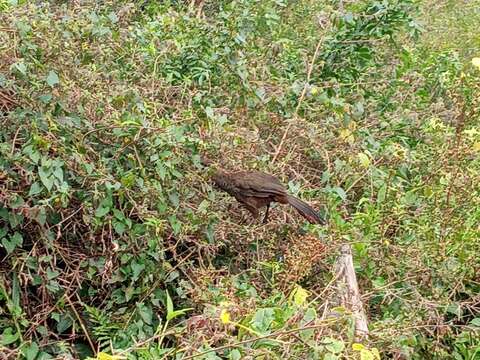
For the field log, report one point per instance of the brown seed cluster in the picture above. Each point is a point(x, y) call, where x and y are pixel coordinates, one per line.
point(302, 254)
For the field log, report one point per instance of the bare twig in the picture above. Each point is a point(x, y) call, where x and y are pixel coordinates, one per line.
point(90, 342)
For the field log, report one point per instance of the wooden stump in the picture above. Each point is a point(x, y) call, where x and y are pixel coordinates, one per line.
point(348, 291)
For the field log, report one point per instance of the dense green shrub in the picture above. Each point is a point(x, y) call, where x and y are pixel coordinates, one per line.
point(112, 240)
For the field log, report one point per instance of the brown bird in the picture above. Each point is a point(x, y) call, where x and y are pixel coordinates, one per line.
point(255, 189)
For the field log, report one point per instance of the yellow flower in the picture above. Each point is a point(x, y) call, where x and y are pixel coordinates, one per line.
point(225, 317)
point(476, 62)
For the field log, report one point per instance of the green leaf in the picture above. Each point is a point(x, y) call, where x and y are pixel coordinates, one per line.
point(45, 176)
point(52, 274)
point(118, 214)
point(175, 224)
point(58, 173)
point(45, 98)
point(235, 354)
point(35, 189)
point(11, 243)
point(17, 202)
point(299, 295)
point(119, 227)
point(333, 345)
point(41, 216)
point(52, 78)
point(20, 67)
point(171, 314)
point(30, 351)
point(137, 269)
point(263, 319)
point(454, 309)
point(145, 313)
point(174, 198)
point(176, 313)
point(310, 315)
point(475, 322)
point(104, 207)
point(209, 112)
point(169, 306)
point(381, 194)
point(340, 192)
point(64, 323)
point(8, 337)
point(16, 293)
point(330, 356)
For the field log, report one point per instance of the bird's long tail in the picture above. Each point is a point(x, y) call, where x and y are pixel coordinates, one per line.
point(305, 210)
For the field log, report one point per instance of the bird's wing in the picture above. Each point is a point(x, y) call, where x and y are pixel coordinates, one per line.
point(258, 184)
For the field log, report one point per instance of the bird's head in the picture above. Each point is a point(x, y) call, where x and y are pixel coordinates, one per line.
point(205, 160)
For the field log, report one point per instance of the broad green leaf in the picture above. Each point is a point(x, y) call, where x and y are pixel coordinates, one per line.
point(262, 320)
point(145, 313)
point(104, 207)
point(52, 274)
point(119, 227)
point(64, 323)
point(171, 313)
point(333, 345)
point(12, 242)
point(9, 337)
point(58, 173)
point(235, 354)
point(52, 78)
point(20, 67)
point(454, 309)
point(35, 189)
point(308, 318)
point(30, 351)
point(45, 177)
point(175, 224)
point(137, 269)
point(381, 194)
point(340, 192)
point(475, 322)
point(209, 112)
point(41, 216)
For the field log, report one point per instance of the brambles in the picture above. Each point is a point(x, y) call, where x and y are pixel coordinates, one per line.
point(110, 233)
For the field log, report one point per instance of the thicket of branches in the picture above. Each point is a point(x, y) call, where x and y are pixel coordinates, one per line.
point(112, 239)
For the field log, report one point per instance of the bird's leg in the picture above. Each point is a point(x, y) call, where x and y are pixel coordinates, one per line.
point(253, 210)
point(265, 219)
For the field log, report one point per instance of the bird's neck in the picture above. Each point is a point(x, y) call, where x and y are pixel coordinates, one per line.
point(223, 180)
